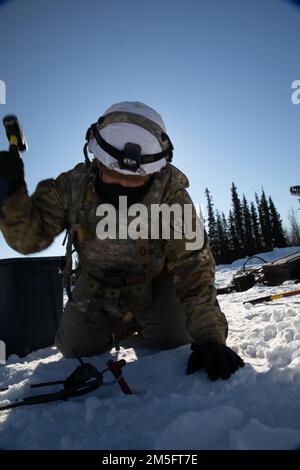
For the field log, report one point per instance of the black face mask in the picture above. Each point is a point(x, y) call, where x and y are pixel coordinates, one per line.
point(109, 192)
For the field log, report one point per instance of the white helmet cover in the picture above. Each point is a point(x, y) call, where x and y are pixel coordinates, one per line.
point(121, 131)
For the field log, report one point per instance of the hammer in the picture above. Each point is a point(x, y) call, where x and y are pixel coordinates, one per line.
point(14, 133)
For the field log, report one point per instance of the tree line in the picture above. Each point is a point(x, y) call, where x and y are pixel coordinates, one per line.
point(249, 228)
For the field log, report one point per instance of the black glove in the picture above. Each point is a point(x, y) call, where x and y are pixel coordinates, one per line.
point(11, 166)
point(11, 174)
point(219, 360)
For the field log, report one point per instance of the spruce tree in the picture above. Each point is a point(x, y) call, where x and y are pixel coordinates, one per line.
point(276, 223)
point(211, 224)
point(256, 229)
point(226, 238)
point(225, 226)
point(222, 238)
point(248, 229)
point(234, 245)
point(238, 220)
point(265, 221)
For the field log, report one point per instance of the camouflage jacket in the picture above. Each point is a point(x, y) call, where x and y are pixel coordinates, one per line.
point(30, 224)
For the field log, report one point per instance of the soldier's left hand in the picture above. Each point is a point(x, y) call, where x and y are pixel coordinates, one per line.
point(218, 359)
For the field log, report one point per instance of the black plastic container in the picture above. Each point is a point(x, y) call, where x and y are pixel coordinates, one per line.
point(31, 303)
point(283, 269)
point(244, 282)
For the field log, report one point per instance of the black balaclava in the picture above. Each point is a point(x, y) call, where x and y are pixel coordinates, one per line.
point(110, 192)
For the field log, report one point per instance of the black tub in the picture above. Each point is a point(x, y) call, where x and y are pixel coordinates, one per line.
point(31, 303)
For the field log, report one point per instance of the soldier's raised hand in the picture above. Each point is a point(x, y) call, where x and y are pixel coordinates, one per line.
point(11, 173)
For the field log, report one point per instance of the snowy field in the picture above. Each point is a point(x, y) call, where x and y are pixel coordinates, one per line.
point(258, 408)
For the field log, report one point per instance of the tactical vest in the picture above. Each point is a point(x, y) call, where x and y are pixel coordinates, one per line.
point(120, 271)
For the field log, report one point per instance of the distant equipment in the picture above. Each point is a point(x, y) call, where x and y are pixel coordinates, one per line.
point(282, 269)
point(295, 190)
point(270, 274)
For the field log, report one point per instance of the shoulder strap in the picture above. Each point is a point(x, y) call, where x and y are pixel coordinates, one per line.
point(78, 185)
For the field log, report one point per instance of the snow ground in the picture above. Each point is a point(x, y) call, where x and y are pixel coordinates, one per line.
point(258, 408)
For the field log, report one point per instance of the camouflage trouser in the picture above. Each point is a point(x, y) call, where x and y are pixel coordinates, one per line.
point(88, 330)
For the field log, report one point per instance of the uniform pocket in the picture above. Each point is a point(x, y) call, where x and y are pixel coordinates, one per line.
point(140, 296)
point(90, 310)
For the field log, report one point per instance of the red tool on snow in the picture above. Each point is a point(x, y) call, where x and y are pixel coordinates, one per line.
point(115, 368)
point(84, 379)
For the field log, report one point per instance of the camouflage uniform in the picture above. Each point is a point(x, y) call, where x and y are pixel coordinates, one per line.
point(169, 290)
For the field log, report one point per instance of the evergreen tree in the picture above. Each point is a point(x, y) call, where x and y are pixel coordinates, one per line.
point(211, 224)
point(256, 229)
point(238, 220)
point(225, 230)
point(222, 238)
point(276, 223)
point(233, 240)
point(248, 229)
point(225, 227)
point(265, 221)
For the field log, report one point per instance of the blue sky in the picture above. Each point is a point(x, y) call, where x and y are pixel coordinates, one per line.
point(219, 73)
